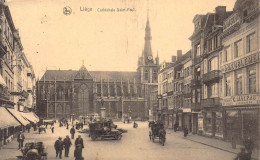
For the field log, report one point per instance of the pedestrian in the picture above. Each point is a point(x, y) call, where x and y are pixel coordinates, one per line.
point(72, 132)
point(185, 131)
point(78, 152)
point(67, 144)
point(20, 139)
point(39, 129)
point(52, 128)
point(58, 147)
point(176, 125)
point(242, 155)
point(67, 125)
point(249, 146)
point(79, 141)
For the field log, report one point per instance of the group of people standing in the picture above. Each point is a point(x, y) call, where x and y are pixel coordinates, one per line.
point(66, 144)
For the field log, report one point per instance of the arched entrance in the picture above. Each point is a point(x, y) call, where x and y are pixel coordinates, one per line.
point(83, 100)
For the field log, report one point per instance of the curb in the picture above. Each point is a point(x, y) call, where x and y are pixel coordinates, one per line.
point(253, 158)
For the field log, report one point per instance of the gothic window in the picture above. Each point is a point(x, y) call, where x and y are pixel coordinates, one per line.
point(51, 109)
point(125, 89)
point(98, 89)
point(105, 91)
point(59, 109)
point(118, 89)
point(59, 93)
point(83, 99)
point(139, 91)
point(146, 75)
point(132, 91)
point(112, 91)
point(67, 109)
point(155, 75)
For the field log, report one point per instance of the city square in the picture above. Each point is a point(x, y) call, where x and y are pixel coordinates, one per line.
point(129, 79)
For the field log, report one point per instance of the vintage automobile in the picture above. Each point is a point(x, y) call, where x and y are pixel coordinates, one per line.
point(104, 130)
point(34, 151)
point(157, 132)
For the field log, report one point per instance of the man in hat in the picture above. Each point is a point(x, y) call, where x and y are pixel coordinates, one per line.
point(67, 144)
point(79, 141)
point(58, 147)
point(72, 132)
point(20, 139)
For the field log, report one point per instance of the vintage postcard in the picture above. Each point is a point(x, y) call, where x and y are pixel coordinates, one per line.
point(129, 79)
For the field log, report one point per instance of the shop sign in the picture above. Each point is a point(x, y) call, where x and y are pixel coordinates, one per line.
point(186, 110)
point(231, 21)
point(241, 62)
point(249, 99)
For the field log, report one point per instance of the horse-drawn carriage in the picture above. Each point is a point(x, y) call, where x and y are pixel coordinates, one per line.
point(34, 151)
point(104, 130)
point(157, 132)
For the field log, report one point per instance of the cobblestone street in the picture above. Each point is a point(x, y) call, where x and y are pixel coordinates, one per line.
point(135, 144)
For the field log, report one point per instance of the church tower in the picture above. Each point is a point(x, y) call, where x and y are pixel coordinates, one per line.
point(148, 65)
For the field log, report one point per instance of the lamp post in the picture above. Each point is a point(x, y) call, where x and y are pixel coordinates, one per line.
point(122, 108)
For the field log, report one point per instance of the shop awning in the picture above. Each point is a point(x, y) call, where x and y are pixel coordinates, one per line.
point(6, 119)
point(18, 115)
point(30, 117)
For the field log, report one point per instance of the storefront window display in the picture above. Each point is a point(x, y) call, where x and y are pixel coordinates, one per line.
point(208, 123)
point(219, 125)
point(232, 124)
point(200, 123)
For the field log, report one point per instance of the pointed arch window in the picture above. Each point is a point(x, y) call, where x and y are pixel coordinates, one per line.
point(146, 75)
point(154, 75)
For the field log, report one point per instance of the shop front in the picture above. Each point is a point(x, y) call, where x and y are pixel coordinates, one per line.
point(187, 118)
point(242, 118)
point(213, 124)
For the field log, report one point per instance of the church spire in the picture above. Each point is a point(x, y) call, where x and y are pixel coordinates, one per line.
point(147, 52)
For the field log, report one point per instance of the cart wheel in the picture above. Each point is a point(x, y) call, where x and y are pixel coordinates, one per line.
point(119, 137)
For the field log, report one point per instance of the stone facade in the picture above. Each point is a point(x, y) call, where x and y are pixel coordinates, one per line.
point(62, 93)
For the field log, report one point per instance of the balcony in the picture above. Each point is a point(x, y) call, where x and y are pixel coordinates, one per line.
point(210, 102)
point(212, 76)
point(196, 106)
point(197, 60)
point(252, 14)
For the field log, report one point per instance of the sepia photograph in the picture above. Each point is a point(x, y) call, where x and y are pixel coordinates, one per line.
point(130, 79)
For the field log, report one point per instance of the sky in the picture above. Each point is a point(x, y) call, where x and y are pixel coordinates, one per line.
point(104, 41)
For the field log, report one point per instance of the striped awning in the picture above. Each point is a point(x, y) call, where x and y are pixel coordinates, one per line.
point(30, 116)
point(6, 119)
point(16, 114)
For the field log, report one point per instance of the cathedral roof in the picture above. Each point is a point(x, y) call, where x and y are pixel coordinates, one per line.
point(68, 75)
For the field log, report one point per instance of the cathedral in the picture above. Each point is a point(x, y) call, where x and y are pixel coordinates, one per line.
point(62, 93)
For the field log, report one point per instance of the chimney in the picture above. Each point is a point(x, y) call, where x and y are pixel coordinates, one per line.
point(179, 54)
point(221, 13)
point(173, 59)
